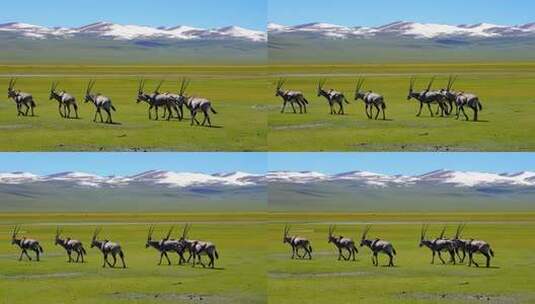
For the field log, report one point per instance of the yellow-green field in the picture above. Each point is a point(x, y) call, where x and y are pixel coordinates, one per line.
point(506, 122)
point(255, 266)
point(238, 94)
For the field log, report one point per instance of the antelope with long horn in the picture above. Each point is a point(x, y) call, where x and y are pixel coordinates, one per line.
point(378, 246)
point(291, 97)
point(196, 105)
point(341, 243)
point(297, 242)
point(460, 244)
point(65, 101)
point(156, 100)
point(197, 249)
point(25, 245)
point(107, 248)
point(427, 97)
point(438, 245)
point(166, 245)
point(100, 102)
point(21, 99)
point(450, 95)
point(70, 246)
point(333, 97)
point(478, 247)
point(371, 100)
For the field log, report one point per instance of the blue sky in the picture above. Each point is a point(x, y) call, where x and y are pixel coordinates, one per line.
point(199, 13)
point(379, 12)
point(388, 163)
point(402, 163)
point(131, 163)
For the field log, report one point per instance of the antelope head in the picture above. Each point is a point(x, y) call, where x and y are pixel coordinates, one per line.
point(11, 93)
point(423, 231)
point(321, 83)
point(358, 87)
point(332, 237)
point(14, 234)
point(94, 241)
point(53, 93)
point(140, 95)
point(88, 90)
point(149, 237)
point(57, 240)
point(285, 237)
point(185, 232)
point(280, 84)
point(411, 88)
point(364, 235)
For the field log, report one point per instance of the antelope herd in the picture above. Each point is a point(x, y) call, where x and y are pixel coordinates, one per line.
point(445, 99)
point(196, 249)
point(173, 104)
point(454, 246)
point(457, 248)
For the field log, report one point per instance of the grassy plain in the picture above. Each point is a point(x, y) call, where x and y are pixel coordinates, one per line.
point(239, 276)
point(238, 93)
point(255, 266)
point(414, 279)
point(506, 122)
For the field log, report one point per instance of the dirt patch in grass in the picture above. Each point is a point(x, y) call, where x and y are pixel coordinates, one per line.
point(312, 275)
point(42, 276)
point(466, 298)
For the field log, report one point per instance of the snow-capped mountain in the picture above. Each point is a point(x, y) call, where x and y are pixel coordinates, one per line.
point(132, 32)
point(438, 177)
point(408, 29)
point(239, 179)
point(154, 177)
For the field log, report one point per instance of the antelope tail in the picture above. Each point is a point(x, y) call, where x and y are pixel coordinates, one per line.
point(113, 108)
point(394, 251)
point(479, 105)
point(40, 249)
point(345, 99)
point(310, 248)
point(491, 252)
point(305, 100)
point(82, 249)
point(213, 110)
point(216, 254)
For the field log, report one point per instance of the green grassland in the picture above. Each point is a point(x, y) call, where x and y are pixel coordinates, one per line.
point(239, 276)
point(414, 279)
point(506, 122)
point(251, 270)
point(239, 95)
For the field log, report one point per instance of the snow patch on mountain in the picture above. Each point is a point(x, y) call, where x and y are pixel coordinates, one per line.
point(133, 32)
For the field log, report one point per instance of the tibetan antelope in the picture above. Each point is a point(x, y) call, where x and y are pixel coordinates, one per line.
point(166, 245)
point(342, 243)
point(450, 96)
point(333, 97)
point(25, 245)
point(100, 102)
point(70, 246)
point(297, 243)
point(65, 101)
point(106, 248)
point(438, 245)
point(461, 100)
point(195, 105)
point(371, 100)
point(460, 244)
point(481, 247)
point(156, 100)
point(21, 99)
point(291, 97)
point(187, 244)
point(378, 246)
point(427, 97)
point(199, 248)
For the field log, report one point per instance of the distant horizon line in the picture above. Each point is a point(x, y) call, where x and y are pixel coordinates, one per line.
point(398, 21)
